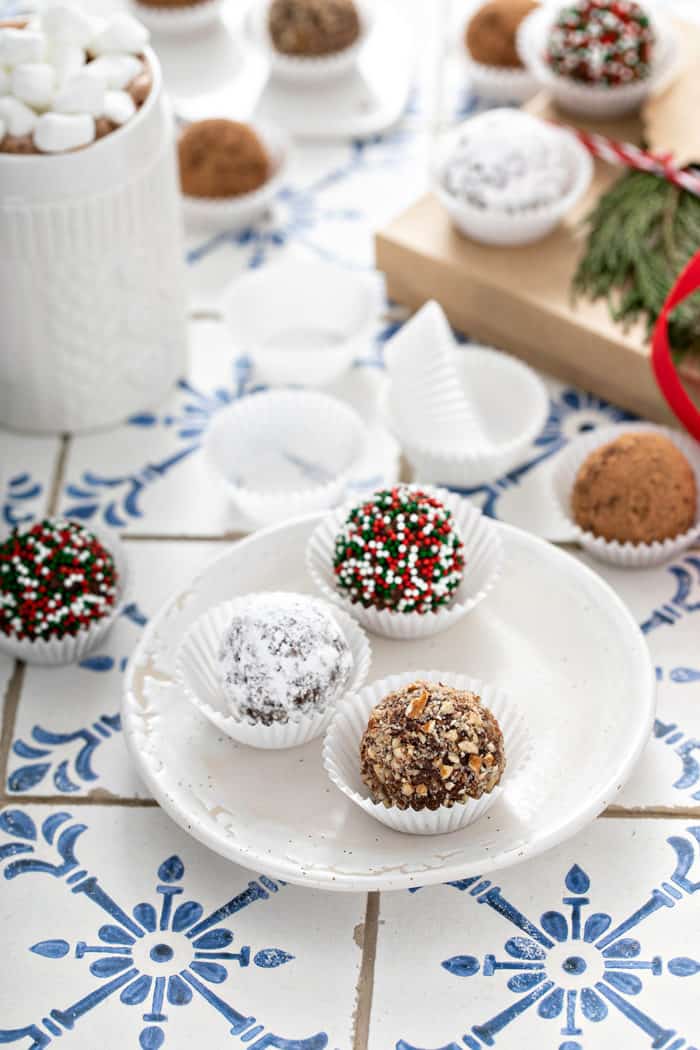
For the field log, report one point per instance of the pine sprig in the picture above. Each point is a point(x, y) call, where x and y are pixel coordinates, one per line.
point(641, 234)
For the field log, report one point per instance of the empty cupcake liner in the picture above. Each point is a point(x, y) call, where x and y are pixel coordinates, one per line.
point(314, 438)
point(491, 226)
point(626, 555)
point(309, 69)
point(456, 460)
point(196, 670)
point(56, 652)
point(483, 555)
point(594, 100)
point(341, 752)
point(243, 210)
point(177, 19)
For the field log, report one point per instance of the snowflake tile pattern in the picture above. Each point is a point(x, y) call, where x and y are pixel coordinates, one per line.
point(590, 947)
point(144, 940)
point(26, 469)
point(73, 745)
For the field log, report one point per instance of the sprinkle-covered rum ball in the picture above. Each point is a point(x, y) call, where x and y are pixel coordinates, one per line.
point(401, 551)
point(428, 745)
point(606, 42)
point(56, 579)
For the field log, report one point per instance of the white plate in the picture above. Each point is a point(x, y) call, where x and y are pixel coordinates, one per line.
point(553, 634)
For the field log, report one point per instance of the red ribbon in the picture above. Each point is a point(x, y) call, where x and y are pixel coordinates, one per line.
point(661, 359)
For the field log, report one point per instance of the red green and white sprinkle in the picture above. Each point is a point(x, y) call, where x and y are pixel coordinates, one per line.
point(606, 42)
point(400, 550)
point(56, 579)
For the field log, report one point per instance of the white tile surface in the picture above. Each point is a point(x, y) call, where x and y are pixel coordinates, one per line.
point(445, 957)
point(26, 469)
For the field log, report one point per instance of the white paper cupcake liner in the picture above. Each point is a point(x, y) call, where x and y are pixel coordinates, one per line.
point(594, 100)
point(626, 555)
point(177, 19)
point(56, 652)
point(341, 752)
point(236, 213)
point(457, 460)
point(494, 83)
point(196, 668)
point(490, 226)
point(313, 439)
point(309, 69)
point(483, 555)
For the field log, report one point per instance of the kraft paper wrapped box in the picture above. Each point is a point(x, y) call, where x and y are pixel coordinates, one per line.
point(519, 298)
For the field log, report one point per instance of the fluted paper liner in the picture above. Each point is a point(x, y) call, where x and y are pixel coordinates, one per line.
point(196, 666)
point(483, 555)
point(626, 555)
point(310, 69)
point(341, 752)
point(177, 19)
point(495, 83)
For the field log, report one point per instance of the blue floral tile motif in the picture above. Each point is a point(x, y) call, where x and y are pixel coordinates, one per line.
point(156, 955)
point(685, 599)
point(575, 965)
point(571, 413)
point(18, 501)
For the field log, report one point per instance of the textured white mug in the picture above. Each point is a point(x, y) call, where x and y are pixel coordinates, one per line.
point(92, 289)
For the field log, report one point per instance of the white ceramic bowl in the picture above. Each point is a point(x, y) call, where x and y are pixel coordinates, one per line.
point(303, 322)
point(590, 100)
point(309, 69)
point(491, 226)
point(341, 752)
point(235, 213)
point(197, 671)
point(282, 453)
point(483, 556)
point(626, 555)
point(511, 404)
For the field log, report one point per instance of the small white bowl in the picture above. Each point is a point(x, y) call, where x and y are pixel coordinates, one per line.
point(492, 226)
point(483, 556)
point(57, 652)
point(511, 404)
point(177, 19)
point(341, 752)
point(626, 555)
point(309, 69)
point(303, 322)
point(196, 666)
point(235, 213)
point(592, 100)
point(495, 83)
point(283, 453)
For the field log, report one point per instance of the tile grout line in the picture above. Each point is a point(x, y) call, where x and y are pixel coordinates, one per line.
point(365, 981)
point(9, 717)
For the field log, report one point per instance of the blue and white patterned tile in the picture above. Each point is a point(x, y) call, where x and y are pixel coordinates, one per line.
point(148, 476)
point(125, 933)
point(67, 736)
point(593, 946)
point(27, 464)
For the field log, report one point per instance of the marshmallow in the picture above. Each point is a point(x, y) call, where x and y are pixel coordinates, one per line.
point(66, 58)
point(64, 22)
point(21, 45)
point(121, 33)
point(118, 107)
point(58, 132)
point(19, 119)
point(81, 94)
point(116, 71)
point(33, 83)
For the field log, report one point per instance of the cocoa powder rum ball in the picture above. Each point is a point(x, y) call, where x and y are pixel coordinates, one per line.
point(221, 158)
point(636, 489)
point(312, 28)
point(491, 33)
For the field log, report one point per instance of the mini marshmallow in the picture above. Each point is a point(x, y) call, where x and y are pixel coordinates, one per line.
point(118, 107)
point(19, 119)
point(33, 83)
point(64, 22)
point(66, 58)
point(59, 132)
point(122, 33)
point(116, 71)
point(18, 46)
point(81, 94)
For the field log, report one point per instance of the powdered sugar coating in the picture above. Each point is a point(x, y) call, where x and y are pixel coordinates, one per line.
point(283, 656)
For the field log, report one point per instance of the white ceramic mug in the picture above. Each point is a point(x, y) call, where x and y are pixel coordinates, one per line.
point(92, 290)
